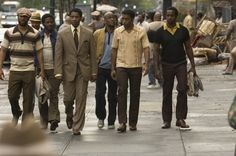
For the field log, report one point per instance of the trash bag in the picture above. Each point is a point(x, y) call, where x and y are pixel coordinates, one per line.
point(194, 84)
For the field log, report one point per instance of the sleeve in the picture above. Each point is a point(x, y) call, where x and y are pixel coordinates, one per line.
point(157, 36)
point(115, 41)
point(151, 36)
point(145, 41)
point(186, 34)
point(93, 57)
point(5, 43)
point(38, 43)
point(58, 55)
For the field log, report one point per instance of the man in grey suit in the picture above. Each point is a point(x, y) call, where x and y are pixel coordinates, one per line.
point(75, 64)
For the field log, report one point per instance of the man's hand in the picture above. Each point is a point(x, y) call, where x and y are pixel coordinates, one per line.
point(113, 74)
point(1, 75)
point(192, 69)
point(145, 69)
point(93, 78)
point(42, 74)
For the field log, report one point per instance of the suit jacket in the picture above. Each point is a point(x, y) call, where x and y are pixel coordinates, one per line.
point(67, 57)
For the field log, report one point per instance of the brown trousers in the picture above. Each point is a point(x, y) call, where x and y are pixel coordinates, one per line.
point(21, 81)
point(169, 73)
point(133, 76)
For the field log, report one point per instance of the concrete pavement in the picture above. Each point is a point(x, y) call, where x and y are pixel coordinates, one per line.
point(210, 134)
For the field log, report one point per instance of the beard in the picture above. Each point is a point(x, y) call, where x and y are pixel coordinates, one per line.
point(23, 23)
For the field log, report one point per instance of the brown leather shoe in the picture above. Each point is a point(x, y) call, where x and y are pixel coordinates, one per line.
point(54, 125)
point(122, 128)
point(69, 122)
point(182, 124)
point(76, 133)
point(132, 128)
point(166, 125)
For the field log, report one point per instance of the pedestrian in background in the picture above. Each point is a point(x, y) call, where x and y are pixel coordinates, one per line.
point(175, 41)
point(35, 20)
point(154, 26)
point(22, 40)
point(75, 64)
point(231, 39)
point(129, 43)
point(49, 112)
point(67, 22)
point(103, 38)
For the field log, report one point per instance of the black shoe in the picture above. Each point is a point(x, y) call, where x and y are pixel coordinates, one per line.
point(76, 133)
point(54, 125)
point(227, 73)
point(182, 124)
point(69, 122)
point(122, 128)
point(165, 125)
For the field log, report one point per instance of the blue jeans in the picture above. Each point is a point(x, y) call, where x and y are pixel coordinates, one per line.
point(104, 75)
point(151, 73)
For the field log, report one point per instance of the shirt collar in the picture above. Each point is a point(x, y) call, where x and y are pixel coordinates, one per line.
point(16, 29)
point(135, 28)
point(173, 29)
point(73, 28)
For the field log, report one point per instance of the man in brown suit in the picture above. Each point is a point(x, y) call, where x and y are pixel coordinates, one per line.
point(75, 64)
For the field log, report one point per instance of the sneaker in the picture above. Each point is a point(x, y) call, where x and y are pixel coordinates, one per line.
point(152, 86)
point(100, 124)
point(111, 126)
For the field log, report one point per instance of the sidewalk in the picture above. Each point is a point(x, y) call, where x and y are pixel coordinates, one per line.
point(210, 134)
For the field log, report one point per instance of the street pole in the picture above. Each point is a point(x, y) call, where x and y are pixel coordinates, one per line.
point(52, 7)
point(94, 5)
point(166, 5)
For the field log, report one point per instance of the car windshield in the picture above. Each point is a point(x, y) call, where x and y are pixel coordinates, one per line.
point(8, 8)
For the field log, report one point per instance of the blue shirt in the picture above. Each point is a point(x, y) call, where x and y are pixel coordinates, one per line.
point(106, 58)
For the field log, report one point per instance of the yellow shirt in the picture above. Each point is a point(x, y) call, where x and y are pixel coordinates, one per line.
point(130, 46)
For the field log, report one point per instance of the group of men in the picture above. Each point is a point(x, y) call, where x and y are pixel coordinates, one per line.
point(75, 55)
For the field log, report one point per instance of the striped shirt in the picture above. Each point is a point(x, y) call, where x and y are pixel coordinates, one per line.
point(22, 47)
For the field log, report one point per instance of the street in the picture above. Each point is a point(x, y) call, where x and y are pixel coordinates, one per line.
point(210, 134)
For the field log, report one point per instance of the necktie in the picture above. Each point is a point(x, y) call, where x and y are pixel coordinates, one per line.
point(76, 38)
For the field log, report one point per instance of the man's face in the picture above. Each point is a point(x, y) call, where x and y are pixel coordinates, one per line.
point(110, 19)
point(23, 20)
point(49, 24)
point(127, 20)
point(170, 17)
point(35, 24)
point(75, 19)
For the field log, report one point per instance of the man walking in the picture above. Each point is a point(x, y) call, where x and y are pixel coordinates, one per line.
point(103, 38)
point(175, 41)
point(129, 43)
point(75, 64)
point(22, 40)
point(50, 113)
